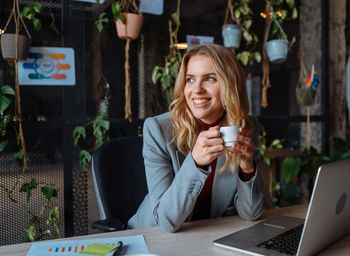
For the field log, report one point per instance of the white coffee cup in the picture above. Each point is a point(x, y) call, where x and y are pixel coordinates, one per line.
point(228, 134)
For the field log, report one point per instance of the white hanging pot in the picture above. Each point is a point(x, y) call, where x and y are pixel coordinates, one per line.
point(8, 46)
point(232, 35)
point(277, 50)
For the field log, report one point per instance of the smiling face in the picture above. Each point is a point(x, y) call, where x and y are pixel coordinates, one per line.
point(202, 90)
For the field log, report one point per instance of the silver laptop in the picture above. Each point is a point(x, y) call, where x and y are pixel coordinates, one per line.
point(327, 220)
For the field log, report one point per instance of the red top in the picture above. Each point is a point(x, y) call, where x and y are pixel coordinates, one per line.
point(202, 207)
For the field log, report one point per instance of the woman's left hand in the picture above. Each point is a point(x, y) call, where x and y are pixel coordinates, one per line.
point(244, 150)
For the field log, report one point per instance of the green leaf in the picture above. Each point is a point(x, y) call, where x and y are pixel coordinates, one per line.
point(84, 159)
point(284, 14)
point(53, 216)
point(174, 69)
point(26, 11)
point(6, 89)
point(99, 27)
point(165, 83)
point(99, 124)
point(26, 187)
point(78, 132)
point(243, 57)
point(237, 13)
point(276, 143)
point(37, 24)
point(247, 23)
point(255, 38)
point(54, 28)
point(34, 183)
point(262, 149)
point(294, 13)
point(290, 167)
point(101, 21)
point(19, 154)
point(257, 57)
point(49, 191)
point(176, 18)
point(37, 7)
point(267, 160)
point(247, 36)
point(290, 3)
point(291, 43)
point(117, 11)
point(30, 233)
point(4, 103)
point(155, 75)
point(3, 145)
point(121, 17)
point(276, 186)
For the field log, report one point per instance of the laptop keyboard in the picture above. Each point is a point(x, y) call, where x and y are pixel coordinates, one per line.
point(286, 242)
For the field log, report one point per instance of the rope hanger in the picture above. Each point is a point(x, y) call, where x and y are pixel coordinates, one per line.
point(229, 9)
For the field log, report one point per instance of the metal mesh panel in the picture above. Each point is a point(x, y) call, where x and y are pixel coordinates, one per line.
point(13, 218)
point(80, 202)
point(42, 114)
point(50, 114)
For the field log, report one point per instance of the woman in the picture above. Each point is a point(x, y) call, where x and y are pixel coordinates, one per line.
point(190, 175)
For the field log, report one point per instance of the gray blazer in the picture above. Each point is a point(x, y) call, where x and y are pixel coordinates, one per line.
point(174, 183)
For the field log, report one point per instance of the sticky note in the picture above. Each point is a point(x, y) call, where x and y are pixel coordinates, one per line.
point(98, 249)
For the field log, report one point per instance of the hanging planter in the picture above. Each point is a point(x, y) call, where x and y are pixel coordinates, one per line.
point(231, 32)
point(274, 51)
point(15, 46)
point(306, 92)
point(131, 28)
point(305, 96)
point(8, 46)
point(277, 50)
point(128, 20)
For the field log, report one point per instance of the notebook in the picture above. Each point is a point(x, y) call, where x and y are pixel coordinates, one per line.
point(327, 220)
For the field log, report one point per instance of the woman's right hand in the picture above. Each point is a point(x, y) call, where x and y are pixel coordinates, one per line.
point(208, 147)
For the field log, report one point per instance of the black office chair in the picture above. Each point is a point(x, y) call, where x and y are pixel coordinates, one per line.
point(120, 182)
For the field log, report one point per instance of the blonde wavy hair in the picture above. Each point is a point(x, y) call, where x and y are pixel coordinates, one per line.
point(233, 93)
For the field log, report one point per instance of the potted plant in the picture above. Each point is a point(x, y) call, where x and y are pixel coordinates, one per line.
point(238, 24)
point(14, 45)
point(231, 32)
point(8, 40)
point(128, 19)
point(277, 49)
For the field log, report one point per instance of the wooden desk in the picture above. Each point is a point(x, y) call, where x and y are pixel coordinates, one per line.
point(195, 238)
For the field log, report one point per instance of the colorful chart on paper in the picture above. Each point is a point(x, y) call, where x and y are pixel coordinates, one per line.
point(47, 66)
point(131, 245)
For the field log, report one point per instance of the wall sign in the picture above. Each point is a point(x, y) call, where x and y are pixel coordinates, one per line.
point(152, 6)
point(48, 66)
point(193, 41)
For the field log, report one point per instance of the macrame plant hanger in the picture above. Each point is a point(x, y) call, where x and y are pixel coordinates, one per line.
point(229, 9)
point(16, 16)
point(231, 18)
point(127, 5)
point(266, 84)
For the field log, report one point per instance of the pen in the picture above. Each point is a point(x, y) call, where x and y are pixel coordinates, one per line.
point(118, 249)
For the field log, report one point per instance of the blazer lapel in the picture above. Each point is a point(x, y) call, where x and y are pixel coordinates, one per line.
point(224, 186)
